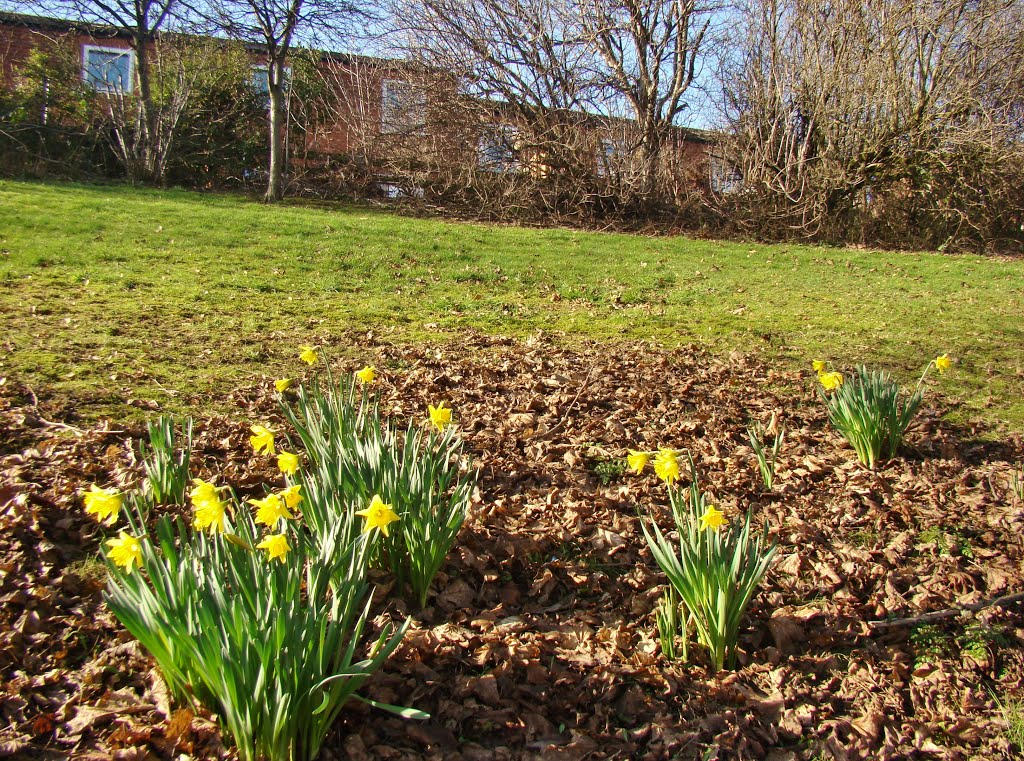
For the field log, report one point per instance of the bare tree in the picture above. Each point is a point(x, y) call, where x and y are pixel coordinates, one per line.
point(179, 67)
point(526, 57)
point(274, 25)
point(524, 52)
point(873, 112)
point(649, 50)
point(141, 149)
point(565, 72)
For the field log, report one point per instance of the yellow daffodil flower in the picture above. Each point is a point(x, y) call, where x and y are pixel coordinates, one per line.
point(713, 518)
point(637, 461)
point(270, 510)
point(831, 381)
point(943, 363)
point(819, 365)
point(209, 509)
point(292, 496)
point(440, 415)
point(378, 515)
point(103, 504)
point(309, 355)
point(283, 385)
point(202, 492)
point(209, 514)
point(125, 551)
point(287, 463)
point(666, 466)
point(367, 375)
point(262, 439)
point(276, 546)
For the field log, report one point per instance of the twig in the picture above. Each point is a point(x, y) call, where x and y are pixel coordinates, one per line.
point(169, 391)
point(948, 612)
point(565, 415)
point(50, 423)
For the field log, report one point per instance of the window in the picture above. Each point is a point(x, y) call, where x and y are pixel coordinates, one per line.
point(610, 156)
point(498, 149)
point(260, 80)
point(403, 107)
point(725, 177)
point(108, 69)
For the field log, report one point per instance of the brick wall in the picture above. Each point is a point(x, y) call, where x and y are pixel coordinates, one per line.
point(19, 39)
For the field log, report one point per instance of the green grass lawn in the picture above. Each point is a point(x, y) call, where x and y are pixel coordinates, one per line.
point(115, 292)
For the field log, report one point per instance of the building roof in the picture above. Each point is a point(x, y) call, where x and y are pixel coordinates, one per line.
point(93, 29)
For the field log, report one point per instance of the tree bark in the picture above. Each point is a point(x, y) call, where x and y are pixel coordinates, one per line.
point(277, 90)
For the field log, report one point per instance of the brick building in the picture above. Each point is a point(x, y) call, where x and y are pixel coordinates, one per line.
point(390, 117)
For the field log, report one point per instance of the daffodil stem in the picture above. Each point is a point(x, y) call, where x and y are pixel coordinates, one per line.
point(924, 374)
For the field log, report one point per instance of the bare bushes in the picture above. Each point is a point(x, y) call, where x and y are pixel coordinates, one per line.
point(880, 121)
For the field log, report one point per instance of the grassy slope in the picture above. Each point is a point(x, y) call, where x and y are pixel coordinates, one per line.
point(113, 292)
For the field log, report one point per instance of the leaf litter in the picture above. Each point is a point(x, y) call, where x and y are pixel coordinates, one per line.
point(540, 641)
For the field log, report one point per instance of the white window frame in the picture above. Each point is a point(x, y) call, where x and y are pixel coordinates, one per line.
point(104, 87)
point(724, 177)
point(391, 125)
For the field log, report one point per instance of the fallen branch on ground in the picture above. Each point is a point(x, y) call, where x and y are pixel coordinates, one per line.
point(935, 615)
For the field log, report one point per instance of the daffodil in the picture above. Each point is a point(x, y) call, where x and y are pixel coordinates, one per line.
point(713, 518)
point(276, 546)
point(637, 461)
point(309, 355)
point(819, 365)
point(440, 415)
point(831, 380)
point(666, 466)
point(287, 463)
point(283, 385)
point(943, 363)
point(270, 510)
point(125, 551)
point(202, 492)
point(292, 496)
point(262, 439)
point(378, 515)
point(104, 504)
point(367, 375)
point(209, 514)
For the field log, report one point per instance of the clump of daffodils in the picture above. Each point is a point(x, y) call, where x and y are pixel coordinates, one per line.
point(355, 493)
point(714, 570)
point(871, 411)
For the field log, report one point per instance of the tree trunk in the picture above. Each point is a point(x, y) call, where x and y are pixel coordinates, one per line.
point(146, 149)
point(276, 86)
point(650, 156)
